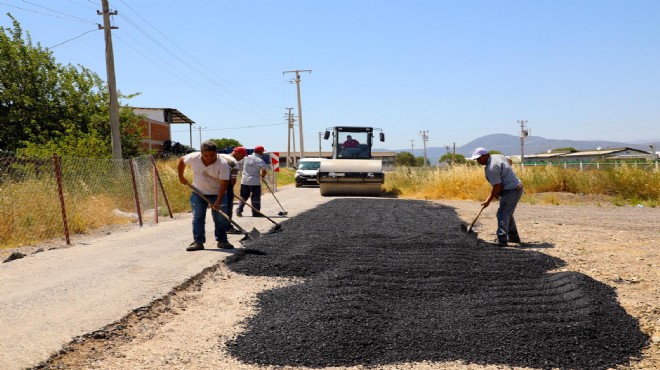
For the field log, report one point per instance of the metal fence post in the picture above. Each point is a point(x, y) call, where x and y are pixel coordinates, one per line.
point(162, 188)
point(58, 176)
point(135, 191)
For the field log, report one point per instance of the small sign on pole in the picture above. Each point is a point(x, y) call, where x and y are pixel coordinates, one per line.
point(275, 161)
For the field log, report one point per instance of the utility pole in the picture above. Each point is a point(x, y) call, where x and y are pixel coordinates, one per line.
point(412, 147)
point(200, 136)
point(425, 138)
point(320, 137)
point(524, 132)
point(453, 155)
point(291, 135)
point(115, 133)
point(300, 120)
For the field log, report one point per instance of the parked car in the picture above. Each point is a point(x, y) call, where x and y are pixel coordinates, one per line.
point(307, 170)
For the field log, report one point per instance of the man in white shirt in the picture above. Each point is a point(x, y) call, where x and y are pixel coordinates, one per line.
point(213, 186)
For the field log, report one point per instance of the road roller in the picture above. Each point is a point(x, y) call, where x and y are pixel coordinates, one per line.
point(352, 170)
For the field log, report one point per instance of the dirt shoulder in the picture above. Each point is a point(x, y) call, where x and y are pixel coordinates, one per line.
point(617, 246)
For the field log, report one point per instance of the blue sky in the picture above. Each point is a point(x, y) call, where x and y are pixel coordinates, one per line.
point(574, 69)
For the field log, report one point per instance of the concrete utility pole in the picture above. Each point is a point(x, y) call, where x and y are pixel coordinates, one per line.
point(291, 135)
point(115, 133)
point(412, 147)
point(300, 121)
point(524, 132)
point(200, 136)
point(320, 137)
point(425, 138)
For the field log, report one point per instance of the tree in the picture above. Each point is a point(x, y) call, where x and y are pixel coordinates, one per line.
point(226, 143)
point(48, 108)
point(421, 161)
point(404, 159)
point(568, 149)
point(453, 159)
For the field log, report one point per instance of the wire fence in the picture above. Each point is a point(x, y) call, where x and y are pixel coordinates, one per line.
point(55, 197)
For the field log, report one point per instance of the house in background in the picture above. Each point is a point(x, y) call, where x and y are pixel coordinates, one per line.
point(157, 126)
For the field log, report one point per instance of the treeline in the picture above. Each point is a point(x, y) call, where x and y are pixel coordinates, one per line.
point(47, 107)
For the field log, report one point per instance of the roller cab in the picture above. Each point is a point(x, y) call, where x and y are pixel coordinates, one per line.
point(351, 171)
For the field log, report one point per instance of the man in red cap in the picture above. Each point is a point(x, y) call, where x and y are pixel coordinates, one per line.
point(233, 160)
point(254, 170)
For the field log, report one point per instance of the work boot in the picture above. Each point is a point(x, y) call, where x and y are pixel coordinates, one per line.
point(194, 246)
point(514, 238)
point(501, 243)
point(225, 245)
point(239, 214)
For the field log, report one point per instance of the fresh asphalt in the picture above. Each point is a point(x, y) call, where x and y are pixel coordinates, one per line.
point(48, 299)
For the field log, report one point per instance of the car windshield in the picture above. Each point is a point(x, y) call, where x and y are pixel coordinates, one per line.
point(309, 165)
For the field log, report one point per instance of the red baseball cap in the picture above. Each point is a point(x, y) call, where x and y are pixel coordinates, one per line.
point(259, 148)
point(240, 150)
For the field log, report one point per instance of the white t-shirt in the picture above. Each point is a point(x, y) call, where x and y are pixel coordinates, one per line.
point(252, 166)
point(218, 170)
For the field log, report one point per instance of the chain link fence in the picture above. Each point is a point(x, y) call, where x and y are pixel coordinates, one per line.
point(45, 198)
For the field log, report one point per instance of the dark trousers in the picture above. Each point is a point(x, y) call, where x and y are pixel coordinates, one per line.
point(506, 223)
point(254, 193)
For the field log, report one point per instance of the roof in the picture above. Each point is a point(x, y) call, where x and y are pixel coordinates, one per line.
point(174, 115)
point(603, 152)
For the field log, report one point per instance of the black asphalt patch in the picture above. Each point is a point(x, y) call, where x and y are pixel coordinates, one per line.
point(396, 281)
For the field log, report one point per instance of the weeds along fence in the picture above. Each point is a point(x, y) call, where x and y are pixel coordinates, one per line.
point(55, 197)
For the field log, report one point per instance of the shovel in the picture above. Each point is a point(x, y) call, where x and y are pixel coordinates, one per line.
point(468, 229)
point(281, 213)
point(274, 229)
point(252, 235)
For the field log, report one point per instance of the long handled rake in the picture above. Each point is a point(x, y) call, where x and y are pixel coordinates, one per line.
point(274, 229)
point(283, 212)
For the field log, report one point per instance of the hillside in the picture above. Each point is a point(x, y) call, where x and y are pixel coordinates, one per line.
point(510, 145)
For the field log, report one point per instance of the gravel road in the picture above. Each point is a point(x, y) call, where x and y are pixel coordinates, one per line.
point(47, 299)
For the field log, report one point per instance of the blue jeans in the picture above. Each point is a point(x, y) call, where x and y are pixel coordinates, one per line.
point(506, 224)
point(254, 193)
point(199, 207)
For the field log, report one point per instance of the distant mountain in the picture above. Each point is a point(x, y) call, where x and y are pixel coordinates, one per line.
point(510, 145)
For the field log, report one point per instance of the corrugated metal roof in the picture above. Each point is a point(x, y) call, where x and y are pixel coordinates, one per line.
point(174, 115)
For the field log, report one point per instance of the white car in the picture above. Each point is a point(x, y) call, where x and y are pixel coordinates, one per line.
point(307, 170)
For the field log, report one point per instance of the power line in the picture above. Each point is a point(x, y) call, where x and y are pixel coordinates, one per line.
point(77, 37)
point(236, 89)
point(73, 17)
point(241, 127)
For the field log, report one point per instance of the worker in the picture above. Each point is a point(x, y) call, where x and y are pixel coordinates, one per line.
point(350, 142)
point(233, 159)
point(253, 173)
point(505, 186)
point(213, 186)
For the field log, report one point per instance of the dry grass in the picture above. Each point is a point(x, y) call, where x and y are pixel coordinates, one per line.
point(621, 185)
